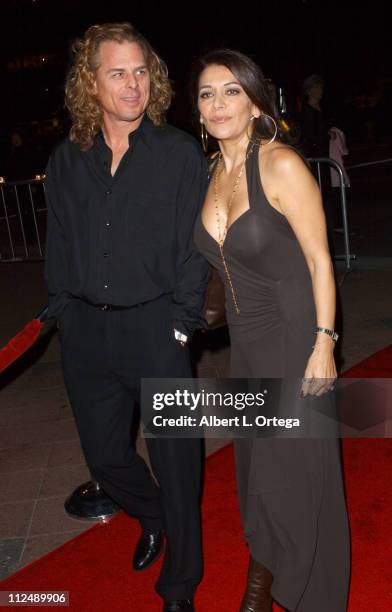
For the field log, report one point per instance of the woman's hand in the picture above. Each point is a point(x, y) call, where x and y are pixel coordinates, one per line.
point(320, 372)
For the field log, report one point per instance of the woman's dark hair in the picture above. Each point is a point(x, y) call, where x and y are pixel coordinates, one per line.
point(251, 78)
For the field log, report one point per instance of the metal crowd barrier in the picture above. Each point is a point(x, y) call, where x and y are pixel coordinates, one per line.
point(318, 161)
point(22, 220)
point(388, 160)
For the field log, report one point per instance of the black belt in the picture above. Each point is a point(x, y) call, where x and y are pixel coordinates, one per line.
point(112, 307)
point(105, 307)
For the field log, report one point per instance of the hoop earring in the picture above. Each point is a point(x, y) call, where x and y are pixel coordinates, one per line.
point(204, 137)
point(257, 143)
point(275, 126)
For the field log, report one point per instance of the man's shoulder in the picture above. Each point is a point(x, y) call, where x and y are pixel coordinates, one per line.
point(176, 134)
point(173, 137)
point(64, 149)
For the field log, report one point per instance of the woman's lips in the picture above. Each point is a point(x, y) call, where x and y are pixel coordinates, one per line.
point(220, 119)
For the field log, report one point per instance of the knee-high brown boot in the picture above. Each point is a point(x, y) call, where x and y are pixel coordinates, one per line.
point(257, 597)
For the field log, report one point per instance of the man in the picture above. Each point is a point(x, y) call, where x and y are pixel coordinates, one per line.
point(122, 272)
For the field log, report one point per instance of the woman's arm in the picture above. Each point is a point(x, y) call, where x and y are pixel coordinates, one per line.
point(297, 195)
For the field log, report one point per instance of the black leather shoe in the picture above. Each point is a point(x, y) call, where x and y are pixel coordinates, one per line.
point(148, 550)
point(178, 605)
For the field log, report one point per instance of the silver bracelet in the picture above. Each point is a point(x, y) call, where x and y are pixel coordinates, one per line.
point(330, 332)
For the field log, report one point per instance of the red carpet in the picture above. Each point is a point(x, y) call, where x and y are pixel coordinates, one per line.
point(95, 566)
point(378, 365)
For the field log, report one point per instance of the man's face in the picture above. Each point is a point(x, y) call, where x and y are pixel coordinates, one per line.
point(122, 81)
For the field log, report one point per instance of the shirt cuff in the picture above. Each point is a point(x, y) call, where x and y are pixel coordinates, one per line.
point(56, 305)
point(189, 327)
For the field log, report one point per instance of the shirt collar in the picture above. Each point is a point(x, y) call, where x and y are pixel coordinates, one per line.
point(143, 131)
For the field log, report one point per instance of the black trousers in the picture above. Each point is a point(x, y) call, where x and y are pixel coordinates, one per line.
point(105, 353)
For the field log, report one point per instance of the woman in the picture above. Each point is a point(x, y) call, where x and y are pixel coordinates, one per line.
point(262, 226)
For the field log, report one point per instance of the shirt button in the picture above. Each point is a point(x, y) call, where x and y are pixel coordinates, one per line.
point(107, 223)
point(106, 286)
point(108, 192)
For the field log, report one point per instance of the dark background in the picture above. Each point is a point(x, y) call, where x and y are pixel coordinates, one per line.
point(348, 43)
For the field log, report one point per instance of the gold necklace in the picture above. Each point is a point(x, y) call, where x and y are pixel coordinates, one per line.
point(222, 235)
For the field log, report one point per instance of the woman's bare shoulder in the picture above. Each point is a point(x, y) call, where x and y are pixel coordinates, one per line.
point(279, 157)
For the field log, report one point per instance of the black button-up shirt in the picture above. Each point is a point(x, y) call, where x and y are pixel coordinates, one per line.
point(127, 239)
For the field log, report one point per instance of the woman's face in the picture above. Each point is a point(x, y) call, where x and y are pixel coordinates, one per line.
point(224, 107)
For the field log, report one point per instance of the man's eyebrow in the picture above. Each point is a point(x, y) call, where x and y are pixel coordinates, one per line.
point(124, 69)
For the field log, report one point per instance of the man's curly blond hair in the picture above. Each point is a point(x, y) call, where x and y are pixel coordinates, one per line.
point(80, 97)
